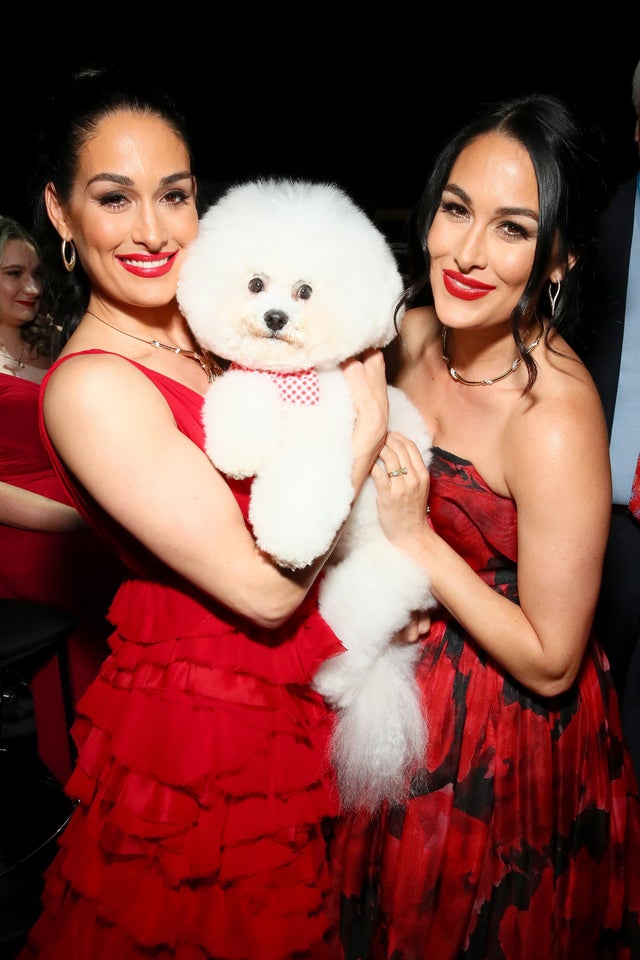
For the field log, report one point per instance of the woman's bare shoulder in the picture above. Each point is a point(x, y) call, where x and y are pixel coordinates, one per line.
point(94, 383)
point(563, 415)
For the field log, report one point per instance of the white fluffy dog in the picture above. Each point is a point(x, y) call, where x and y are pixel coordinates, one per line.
point(287, 279)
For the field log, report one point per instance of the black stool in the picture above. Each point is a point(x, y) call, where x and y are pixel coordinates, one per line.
point(30, 633)
point(33, 807)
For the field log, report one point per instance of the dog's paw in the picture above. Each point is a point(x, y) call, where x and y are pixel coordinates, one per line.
point(295, 516)
point(243, 422)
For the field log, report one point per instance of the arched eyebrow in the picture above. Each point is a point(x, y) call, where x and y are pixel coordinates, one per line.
point(459, 192)
point(123, 181)
point(517, 212)
point(501, 211)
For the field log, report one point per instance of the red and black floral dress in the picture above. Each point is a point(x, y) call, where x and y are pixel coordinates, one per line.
point(521, 837)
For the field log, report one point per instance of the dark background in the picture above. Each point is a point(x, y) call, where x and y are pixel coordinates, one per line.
point(366, 108)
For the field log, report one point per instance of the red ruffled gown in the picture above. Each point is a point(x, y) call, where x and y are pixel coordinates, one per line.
point(202, 775)
point(73, 571)
point(521, 840)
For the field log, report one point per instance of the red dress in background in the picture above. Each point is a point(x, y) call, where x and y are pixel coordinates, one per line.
point(73, 571)
point(202, 774)
point(521, 837)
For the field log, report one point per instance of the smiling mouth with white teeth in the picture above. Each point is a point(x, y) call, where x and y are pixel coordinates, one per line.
point(147, 262)
point(148, 266)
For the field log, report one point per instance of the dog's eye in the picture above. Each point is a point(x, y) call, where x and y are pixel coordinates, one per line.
point(303, 292)
point(256, 285)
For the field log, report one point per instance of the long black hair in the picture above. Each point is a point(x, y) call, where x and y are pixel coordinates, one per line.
point(78, 103)
point(567, 160)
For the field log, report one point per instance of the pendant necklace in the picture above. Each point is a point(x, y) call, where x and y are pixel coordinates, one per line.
point(14, 363)
point(206, 361)
point(489, 381)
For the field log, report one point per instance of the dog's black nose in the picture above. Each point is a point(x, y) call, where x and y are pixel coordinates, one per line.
point(275, 319)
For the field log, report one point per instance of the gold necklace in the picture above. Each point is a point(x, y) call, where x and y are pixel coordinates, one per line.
point(18, 363)
point(488, 382)
point(206, 361)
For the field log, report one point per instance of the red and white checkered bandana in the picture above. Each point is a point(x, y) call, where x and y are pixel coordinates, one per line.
point(300, 387)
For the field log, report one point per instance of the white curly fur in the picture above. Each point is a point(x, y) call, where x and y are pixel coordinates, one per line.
point(288, 276)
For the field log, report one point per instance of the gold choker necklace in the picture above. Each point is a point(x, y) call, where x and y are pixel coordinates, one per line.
point(488, 382)
point(206, 361)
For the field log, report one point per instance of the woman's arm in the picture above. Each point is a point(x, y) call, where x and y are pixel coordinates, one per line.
point(31, 511)
point(116, 434)
point(558, 469)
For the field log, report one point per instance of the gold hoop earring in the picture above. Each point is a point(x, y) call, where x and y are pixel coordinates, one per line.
point(69, 259)
point(553, 297)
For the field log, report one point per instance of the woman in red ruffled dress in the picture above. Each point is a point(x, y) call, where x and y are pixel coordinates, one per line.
point(47, 552)
point(202, 774)
point(519, 836)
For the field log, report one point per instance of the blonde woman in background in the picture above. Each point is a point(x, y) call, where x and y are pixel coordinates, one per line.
point(47, 552)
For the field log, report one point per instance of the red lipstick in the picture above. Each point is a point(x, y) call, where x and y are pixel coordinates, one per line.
point(464, 288)
point(147, 264)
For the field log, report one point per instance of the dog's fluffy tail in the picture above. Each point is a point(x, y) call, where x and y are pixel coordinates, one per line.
point(381, 737)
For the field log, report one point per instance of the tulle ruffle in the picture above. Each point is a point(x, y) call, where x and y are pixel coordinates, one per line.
point(202, 780)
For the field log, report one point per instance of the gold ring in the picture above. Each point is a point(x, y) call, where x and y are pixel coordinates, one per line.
point(400, 472)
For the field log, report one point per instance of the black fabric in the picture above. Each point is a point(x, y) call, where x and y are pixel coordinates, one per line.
point(27, 627)
point(617, 620)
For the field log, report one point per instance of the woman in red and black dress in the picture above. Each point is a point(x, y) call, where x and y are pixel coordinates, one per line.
point(519, 837)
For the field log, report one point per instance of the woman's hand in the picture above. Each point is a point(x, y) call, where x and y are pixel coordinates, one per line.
point(368, 385)
point(417, 628)
point(402, 508)
point(402, 484)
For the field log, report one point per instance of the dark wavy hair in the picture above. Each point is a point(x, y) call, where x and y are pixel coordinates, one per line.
point(567, 159)
point(77, 105)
